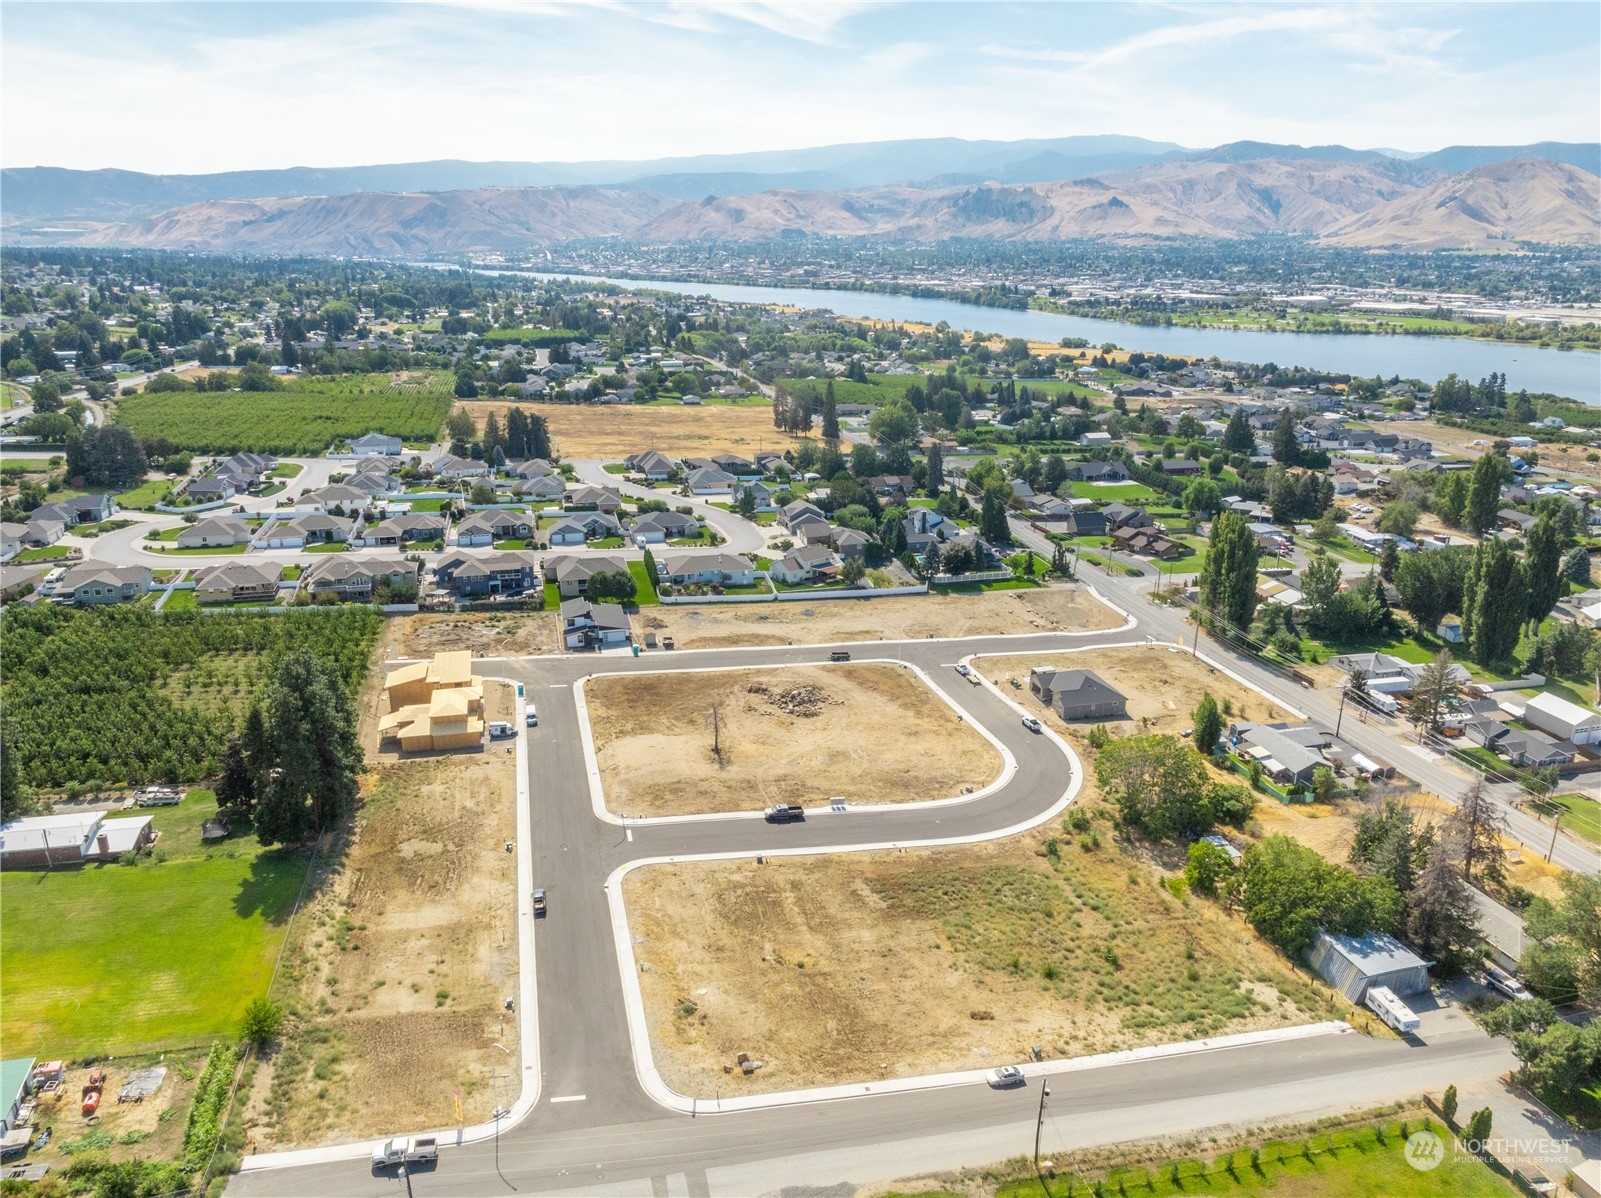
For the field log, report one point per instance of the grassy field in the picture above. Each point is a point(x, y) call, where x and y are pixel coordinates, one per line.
point(304, 418)
point(1581, 815)
point(145, 496)
point(645, 596)
point(48, 553)
point(1127, 492)
point(1368, 1161)
point(612, 432)
point(119, 958)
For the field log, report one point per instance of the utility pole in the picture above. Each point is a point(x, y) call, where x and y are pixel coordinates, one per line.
point(1556, 824)
point(1039, 1126)
point(1344, 691)
point(717, 744)
point(406, 1177)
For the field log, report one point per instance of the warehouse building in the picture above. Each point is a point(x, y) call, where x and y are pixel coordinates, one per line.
point(1355, 964)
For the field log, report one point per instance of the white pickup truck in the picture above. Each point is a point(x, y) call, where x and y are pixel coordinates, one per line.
point(404, 1150)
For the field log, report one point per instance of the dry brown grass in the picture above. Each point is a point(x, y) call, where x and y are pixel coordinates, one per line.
point(878, 735)
point(613, 431)
point(860, 966)
point(508, 634)
point(398, 967)
point(1047, 609)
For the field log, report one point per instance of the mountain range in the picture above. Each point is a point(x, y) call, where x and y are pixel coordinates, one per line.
point(924, 190)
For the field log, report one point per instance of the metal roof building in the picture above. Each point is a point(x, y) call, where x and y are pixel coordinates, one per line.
point(1352, 964)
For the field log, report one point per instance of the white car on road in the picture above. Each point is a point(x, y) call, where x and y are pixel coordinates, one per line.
point(1006, 1075)
point(1032, 724)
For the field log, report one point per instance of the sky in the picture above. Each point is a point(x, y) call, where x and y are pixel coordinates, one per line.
point(201, 87)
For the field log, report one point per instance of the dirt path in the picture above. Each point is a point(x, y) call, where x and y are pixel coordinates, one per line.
point(868, 733)
point(1047, 609)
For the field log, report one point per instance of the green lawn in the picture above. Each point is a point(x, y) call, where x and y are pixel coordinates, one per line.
point(196, 551)
point(425, 505)
point(1357, 1163)
point(287, 470)
point(1125, 491)
point(607, 543)
point(1341, 547)
point(976, 588)
point(513, 544)
point(183, 600)
point(552, 596)
point(325, 547)
point(646, 594)
point(124, 958)
point(49, 553)
point(1582, 815)
point(145, 496)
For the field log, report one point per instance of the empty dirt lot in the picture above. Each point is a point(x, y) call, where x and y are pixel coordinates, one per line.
point(612, 432)
point(869, 733)
point(400, 961)
point(495, 634)
point(1162, 685)
point(1068, 608)
point(860, 966)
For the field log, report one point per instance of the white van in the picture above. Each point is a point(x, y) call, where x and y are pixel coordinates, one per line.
point(500, 730)
point(530, 716)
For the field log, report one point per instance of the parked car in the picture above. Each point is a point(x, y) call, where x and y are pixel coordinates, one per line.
point(500, 730)
point(530, 716)
point(783, 813)
point(1032, 724)
point(1006, 1075)
point(539, 902)
point(963, 670)
point(1505, 984)
point(404, 1150)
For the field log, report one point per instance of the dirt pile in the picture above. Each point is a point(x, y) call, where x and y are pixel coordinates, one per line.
point(806, 702)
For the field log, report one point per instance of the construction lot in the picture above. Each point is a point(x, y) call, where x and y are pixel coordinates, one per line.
point(400, 962)
point(499, 634)
point(1162, 684)
point(1068, 608)
point(867, 733)
point(612, 432)
point(859, 966)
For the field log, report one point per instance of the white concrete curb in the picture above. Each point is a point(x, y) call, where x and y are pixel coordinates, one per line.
point(650, 1078)
point(527, 1014)
point(597, 797)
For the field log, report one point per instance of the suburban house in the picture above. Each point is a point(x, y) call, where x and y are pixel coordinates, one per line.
point(594, 625)
point(41, 531)
point(1093, 439)
point(90, 584)
point(313, 529)
point(709, 480)
point(535, 468)
point(434, 704)
point(91, 509)
point(600, 499)
point(1147, 542)
point(1097, 472)
point(761, 495)
point(245, 470)
point(374, 476)
point(1288, 755)
point(211, 490)
point(1562, 719)
point(1086, 523)
point(13, 539)
point(398, 530)
point(45, 841)
point(724, 569)
point(800, 511)
point(924, 526)
point(652, 464)
point(216, 530)
point(543, 487)
point(1531, 748)
point(352, 578)
point(655, 528)
point(508, 573)
point(1390, 675)
point(1121, 515)
point(803, 565)
point(814, 532)
point(572, 574)
point(485, 528)
point(1514, 520)
point(1077, 694)
point(336, 497)
point(453, 469)
point(583, 526)
point(851, 542)
point(238, 582)
point(375, 443)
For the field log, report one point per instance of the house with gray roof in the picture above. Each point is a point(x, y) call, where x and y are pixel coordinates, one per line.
point(238, 582)
point(92, 585)
point(1077, 694)
point(351, 577)
point(376, 444)
point(398, 530)
point(653, 464)
point(571, 572)
point(214, 531)
point(724, 569)
point(543, 488)
point(508, 573)
point(808, 563)
point(594, 625)
point(583, 526)
point(1288, 755)
point(655, 528)
point(709, 480)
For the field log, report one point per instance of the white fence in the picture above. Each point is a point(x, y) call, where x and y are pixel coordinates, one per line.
point(943, 580)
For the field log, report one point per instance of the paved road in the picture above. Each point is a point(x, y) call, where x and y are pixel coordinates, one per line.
point(594, 1129)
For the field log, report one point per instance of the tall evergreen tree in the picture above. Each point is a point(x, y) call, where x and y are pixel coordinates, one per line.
point(1228, 577)
point(1442, 920)
point(538, 438)
point(516, 433)
point(312, 733)
point(1542, 568)
point(1494, 606)
point(1483, 501)
point(1286, 442)
point(992, 525)
point(1237, 436)
point(1389, 561)
point(830, 413)
point(936, 471)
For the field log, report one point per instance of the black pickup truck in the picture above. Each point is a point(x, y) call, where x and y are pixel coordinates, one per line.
point(783, 813)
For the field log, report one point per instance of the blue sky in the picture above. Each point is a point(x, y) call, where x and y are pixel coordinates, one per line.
point(195, 87)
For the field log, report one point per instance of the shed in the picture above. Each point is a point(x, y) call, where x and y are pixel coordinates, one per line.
point(15, 1077)
point(1352, 964)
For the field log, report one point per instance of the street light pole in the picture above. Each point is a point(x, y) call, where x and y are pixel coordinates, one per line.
point(1344, 691)
point(1039, 1126)
point(1555, 826)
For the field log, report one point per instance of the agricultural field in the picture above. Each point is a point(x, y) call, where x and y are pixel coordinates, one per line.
point(304, 418)
point(101, 696)
point(859, 966)
point(612, 432)
point(796, 735)
point(113, 959)
point(875, 390)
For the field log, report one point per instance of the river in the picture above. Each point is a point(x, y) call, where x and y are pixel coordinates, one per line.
point(1576, 373)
